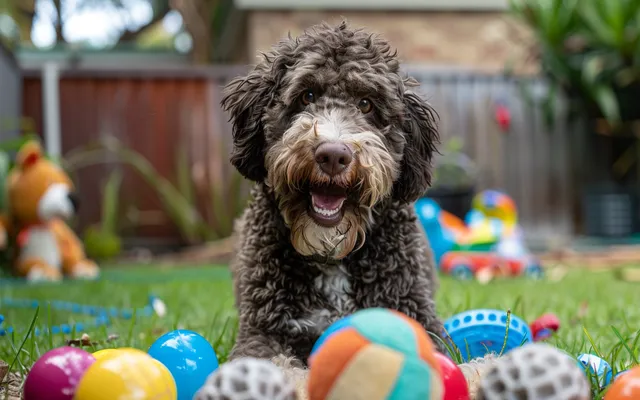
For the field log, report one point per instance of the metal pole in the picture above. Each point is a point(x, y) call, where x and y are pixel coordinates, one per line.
point(51, 107)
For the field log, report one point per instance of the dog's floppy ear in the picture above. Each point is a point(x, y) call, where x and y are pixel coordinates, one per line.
point(245, 98)
point(420, 127)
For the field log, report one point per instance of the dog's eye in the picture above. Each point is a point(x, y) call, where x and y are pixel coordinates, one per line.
point(365, 106)
point(308, 97)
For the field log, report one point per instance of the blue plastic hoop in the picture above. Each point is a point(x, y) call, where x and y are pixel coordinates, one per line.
point(477, 333)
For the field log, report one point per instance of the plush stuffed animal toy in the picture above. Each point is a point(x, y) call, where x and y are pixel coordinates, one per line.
point(41, 199)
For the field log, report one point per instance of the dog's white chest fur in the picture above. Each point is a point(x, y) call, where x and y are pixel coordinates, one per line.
point(41, 244)
point(334, 285)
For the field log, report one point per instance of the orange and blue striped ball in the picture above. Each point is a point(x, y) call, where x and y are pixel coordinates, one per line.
point(377, 354)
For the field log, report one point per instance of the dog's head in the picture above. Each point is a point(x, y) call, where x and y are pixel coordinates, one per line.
point(327, 121)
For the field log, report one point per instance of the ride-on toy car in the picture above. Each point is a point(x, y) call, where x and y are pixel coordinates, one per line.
point(466, 265)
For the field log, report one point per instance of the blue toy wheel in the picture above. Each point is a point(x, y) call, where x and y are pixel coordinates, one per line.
point(462, 272)
point(534, 271)
point(476, 333)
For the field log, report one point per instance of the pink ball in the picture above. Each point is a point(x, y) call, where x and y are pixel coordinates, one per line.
point(455, 384)
point(57, 373)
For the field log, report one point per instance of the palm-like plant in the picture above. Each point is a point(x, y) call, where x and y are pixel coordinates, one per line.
point(591, 49)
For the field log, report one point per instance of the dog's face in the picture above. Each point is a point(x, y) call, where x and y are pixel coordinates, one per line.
point(329, 124)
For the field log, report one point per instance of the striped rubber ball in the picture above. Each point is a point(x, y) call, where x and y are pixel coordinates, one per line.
point(376, 354)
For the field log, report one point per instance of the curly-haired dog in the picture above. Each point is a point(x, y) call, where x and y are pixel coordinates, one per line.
point(339, 147)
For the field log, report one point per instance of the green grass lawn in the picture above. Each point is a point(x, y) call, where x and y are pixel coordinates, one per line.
point(200, 299)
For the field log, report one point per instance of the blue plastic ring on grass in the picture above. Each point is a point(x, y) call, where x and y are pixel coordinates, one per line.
point(477, 333)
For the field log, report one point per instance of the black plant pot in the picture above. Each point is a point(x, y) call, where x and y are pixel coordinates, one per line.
point(456, 200)
point(627, 97)
point(610, 211)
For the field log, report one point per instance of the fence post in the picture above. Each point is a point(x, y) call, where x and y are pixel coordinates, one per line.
point(51, 107)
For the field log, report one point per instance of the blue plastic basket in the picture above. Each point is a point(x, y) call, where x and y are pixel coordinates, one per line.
point(479, 332)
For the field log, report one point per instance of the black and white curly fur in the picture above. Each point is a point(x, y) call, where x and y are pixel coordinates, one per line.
point(316, 244)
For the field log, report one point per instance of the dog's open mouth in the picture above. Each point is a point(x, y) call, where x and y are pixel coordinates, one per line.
point(327, 205)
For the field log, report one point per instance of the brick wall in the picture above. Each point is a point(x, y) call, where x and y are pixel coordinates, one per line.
point(484, 41)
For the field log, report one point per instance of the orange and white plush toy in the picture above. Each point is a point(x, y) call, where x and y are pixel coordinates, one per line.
point(41, 198)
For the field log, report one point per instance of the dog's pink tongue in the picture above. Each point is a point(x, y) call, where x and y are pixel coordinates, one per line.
point(327, 201)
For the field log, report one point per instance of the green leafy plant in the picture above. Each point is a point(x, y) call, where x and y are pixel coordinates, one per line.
point(590, 49)
point(179, 201)
point(453, 168)
point(101, 240)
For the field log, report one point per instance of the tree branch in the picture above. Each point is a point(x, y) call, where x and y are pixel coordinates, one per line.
point(197, 19)
point(129, 36)
point(58, 24)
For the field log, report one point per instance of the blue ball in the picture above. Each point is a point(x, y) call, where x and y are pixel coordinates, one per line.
point(478, 332)
point(333, 328)
point(189, 358)
point(599, 370)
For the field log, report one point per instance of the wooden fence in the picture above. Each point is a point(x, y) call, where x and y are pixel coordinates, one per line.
point(158, 112)
point(538, 164)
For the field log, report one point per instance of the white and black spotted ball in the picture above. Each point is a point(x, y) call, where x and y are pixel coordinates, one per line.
point(535, 371)
point(247, 379)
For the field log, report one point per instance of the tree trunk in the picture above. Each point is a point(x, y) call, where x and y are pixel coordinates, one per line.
point(58, 23)
point(198, 17)
point(130, 36)
point(25, 13)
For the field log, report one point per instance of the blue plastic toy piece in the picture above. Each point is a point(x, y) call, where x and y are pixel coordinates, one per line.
point(534, 271)
point(476, 333)
point(473, 217)
point(599, 370)
point(102, 316)
point(333, 328)
point(440, 239)
point(188, 356)
point(462, 272)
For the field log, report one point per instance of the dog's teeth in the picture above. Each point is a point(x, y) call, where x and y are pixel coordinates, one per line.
point(325, 212)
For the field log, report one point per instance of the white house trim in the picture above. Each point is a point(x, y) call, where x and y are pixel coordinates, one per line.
point(375, 5)
point(51, 108)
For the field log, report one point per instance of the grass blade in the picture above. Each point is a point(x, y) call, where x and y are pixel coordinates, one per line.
point(26, 337)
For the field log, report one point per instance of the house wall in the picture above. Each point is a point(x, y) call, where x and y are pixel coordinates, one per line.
point(10, 95)
point(484, 41)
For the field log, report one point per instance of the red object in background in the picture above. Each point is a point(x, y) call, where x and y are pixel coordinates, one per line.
point(454, 382)
point(459, 263)
point(545, 326)
point(503, 117)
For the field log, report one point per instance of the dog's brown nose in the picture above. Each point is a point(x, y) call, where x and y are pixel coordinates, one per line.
point(333, 158)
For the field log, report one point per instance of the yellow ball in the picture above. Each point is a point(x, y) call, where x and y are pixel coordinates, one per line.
point(126, 374)
point(104, 353)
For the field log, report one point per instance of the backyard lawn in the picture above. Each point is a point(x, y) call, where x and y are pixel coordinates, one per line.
point(593, 308)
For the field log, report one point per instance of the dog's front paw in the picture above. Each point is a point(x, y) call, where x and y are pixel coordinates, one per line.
point(295, 371)
point(475, 370)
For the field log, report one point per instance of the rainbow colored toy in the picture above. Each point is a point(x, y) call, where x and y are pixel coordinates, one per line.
point(489, 237)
